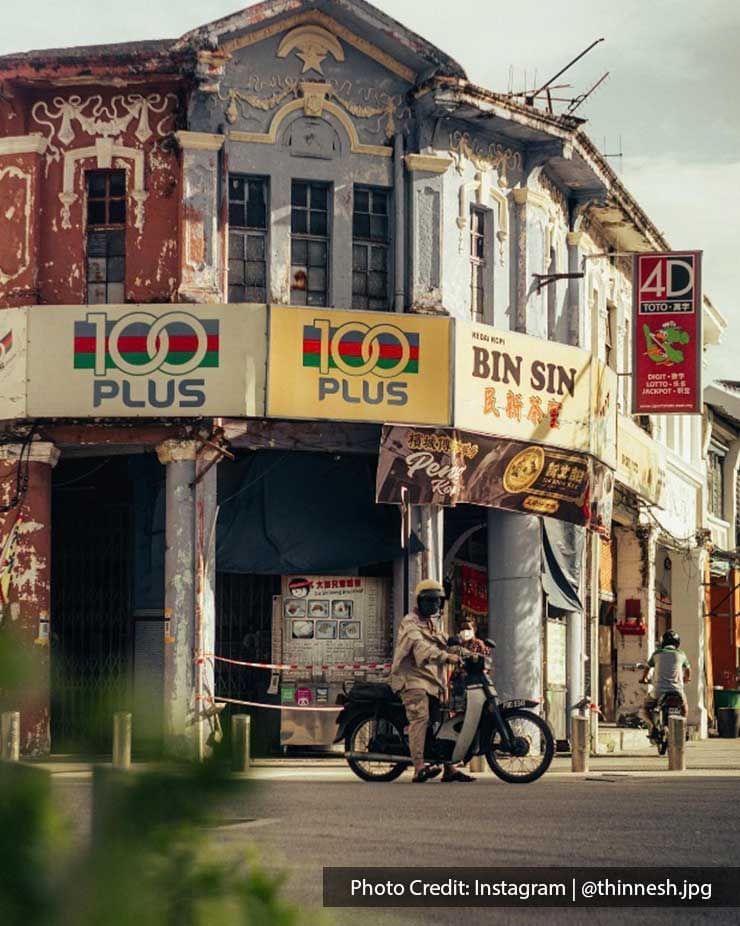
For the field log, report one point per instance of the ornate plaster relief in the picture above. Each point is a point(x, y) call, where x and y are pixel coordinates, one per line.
point(98, 119)
point(24, 253)
point(316, 100)
point(311, 44)
point(330, 25)
point(103, 151)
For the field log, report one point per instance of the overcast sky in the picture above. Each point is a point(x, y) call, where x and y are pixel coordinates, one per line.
point(673, 94)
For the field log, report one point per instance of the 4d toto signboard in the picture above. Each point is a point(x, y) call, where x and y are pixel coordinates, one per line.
point(667, 325)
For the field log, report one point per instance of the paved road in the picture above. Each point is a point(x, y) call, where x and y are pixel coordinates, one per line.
point(303, 818)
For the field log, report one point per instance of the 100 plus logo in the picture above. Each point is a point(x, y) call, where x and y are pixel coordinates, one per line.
point(345, 355)
point(140, 344)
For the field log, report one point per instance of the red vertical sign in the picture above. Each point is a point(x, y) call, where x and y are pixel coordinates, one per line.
point(667, 341)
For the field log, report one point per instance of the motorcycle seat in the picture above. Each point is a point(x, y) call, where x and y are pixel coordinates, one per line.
point(372, 691)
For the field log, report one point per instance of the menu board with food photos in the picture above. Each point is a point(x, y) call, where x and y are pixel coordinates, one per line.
point(335, 619)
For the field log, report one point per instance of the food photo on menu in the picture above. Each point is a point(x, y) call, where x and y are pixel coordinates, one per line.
point(326, 630)
point(295, 608)
point(302, 630)
point(318, 608)
point(341, 609)
point(350, 630)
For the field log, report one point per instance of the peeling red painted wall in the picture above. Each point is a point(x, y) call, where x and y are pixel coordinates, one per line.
point(86, 128)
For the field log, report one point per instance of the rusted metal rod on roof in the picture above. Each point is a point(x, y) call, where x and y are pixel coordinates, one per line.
point(531, 99)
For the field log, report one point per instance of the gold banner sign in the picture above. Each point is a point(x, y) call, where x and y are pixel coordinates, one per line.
point(358, 366)
point(450, 467)
point(512, 385)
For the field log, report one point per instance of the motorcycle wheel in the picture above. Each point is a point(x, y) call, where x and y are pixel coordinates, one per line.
point(359, 739)
point(663, 744)
point(534, 749)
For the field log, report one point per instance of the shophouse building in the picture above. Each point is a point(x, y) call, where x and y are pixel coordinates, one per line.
point(247, 272)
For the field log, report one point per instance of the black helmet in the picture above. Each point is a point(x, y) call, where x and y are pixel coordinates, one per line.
point(430, 597)
point(671, 638)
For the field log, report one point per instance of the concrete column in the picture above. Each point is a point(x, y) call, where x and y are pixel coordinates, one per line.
point(202, 266)
point(731, 465)
point(521, 265)
point(636, 551)
point(189, 597)
point(575, 679)
point(594, 560)
point(399, 229)
point(426, 184)
point(575, 289)
point(515, 602)
point(687, 619)
point(25, 585)
point(427, 522)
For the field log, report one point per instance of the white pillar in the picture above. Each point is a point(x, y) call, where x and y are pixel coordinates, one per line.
point(687, 619)
point(635, 579)
point(515, 602)
point(575, 678)
point(189, 596)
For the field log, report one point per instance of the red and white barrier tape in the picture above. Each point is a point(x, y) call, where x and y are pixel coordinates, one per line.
point(276, 707)
point(293, 667)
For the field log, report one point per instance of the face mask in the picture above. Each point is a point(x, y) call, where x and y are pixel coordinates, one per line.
point(466, 635)
point(429, 606)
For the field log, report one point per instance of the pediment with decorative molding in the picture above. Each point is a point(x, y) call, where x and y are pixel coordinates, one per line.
point(267, 70)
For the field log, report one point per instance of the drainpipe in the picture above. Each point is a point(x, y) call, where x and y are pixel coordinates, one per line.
point(399, 198)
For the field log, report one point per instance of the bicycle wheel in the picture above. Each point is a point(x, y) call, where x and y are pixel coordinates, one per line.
point(532, 748)
point(371, 735)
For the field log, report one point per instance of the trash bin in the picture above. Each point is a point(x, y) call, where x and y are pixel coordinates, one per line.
point(728, 722)
point(726, 697)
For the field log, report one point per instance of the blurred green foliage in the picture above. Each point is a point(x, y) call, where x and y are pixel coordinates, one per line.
point(150, 859)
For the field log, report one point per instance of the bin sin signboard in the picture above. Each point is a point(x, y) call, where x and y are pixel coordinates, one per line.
point(667, 325)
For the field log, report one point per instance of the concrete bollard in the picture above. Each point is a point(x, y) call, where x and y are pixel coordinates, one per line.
point(676, 744)
point(477, 764)
point(122, 740)
point(10, 736)
point(240, 741)
point(579, 746)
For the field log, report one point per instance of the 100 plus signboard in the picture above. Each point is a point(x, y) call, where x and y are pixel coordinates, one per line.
point(146, 360)
point(343, 365)
point(667, 326)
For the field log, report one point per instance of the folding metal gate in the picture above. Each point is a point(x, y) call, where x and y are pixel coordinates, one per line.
point(91, 628)
point(244, 632)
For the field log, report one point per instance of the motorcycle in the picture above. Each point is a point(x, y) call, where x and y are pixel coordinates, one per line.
point(517, 743)
point(669, 705)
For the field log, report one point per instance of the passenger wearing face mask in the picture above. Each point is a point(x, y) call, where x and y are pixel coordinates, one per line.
point(419, 674)
point(469, 640)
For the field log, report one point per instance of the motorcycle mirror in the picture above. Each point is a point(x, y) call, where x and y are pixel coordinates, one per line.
point(491, 643)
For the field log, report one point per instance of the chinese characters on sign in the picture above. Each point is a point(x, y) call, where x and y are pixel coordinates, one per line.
point(451, 467)
point(512, 385)
point(668, 333)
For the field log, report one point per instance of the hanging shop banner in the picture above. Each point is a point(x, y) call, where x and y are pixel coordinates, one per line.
point(667, 325)
point(146, 360)
point(641, 462)
point(13, 359)
point(512, 385)
point(449, 467)
point(358, 366)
